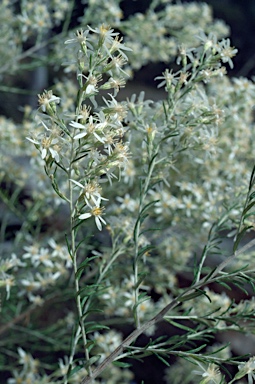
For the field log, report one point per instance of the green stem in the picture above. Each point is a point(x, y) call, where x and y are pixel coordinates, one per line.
point(143, 195)
point(81, 328)
point(115, 255)
point(245, 204)
point(161, 315)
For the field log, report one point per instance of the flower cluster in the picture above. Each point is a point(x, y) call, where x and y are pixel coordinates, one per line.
point(47, 265)
point(219, 303)
point(39, 18)
point(152, 177)
point(188, 372)
point(155, 36)
point(10, 42)
point(93, 139)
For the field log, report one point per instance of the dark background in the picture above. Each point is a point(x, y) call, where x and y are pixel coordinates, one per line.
point(238, 14)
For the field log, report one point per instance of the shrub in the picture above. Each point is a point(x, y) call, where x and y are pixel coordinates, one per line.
point(120, 216)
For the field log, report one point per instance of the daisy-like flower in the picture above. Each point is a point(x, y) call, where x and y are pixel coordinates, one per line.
point(60, 252)
point(84, 114)
point(227, 52)
point(36, 300)
point(28, 361)
point(118, 110)
point(12, 262)
point(189, 205)
point(210, 374)
point(247, 368)
point(17, 377)
point(107, 342)
point(48, 145)
point(74, 124)
point(121, 153)
point(185, 54)
point(168, 79)
point(44, 257)
point(91, 85)
point(48, 101)
point(116, 84)
point(80, 39)
point(7, 281)
point(97, 212)
point(31, 251)
point(209, 41)
point(106, 34)
point(127, 203)
point(47, 279)
point(117, 63)
point(63, 365)
point(90, 191)
point(29, 285)
point(89, 128)
point(118, 46)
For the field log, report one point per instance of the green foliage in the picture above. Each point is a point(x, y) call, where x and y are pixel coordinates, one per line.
point(113, 199)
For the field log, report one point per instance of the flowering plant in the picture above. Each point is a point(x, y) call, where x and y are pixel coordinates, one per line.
point(122, 206)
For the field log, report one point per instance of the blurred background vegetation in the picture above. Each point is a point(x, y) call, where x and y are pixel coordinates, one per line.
point(239, 15)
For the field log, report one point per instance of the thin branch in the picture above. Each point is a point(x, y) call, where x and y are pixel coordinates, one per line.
point(18, 319)
point(160, 316)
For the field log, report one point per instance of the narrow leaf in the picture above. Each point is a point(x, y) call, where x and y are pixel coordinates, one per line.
point(181, 326)
point(240, 236)
point(190, 296)
point(74, 370)
point(162, 359)
point(249, 206)
point(121, 364)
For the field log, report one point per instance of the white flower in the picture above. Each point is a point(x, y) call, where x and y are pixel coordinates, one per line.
point(47, 144)
point(7, 281)
point(247, 368)
point(29, 285)
point(189, 206)
point(168, 79)
point(90, 87)
point(79, 126)
point(17, 377)
point(31, 251)
point(36, 299)
point(106, 34)
point(60, 252)
point(28, 361)
point(210, 374)
point(80, 38)
point(47, 101)
point(90, 191)
point(12, 262)
point(63, 365)
point(95, 211)
point(89, 128)
point(227, 52)
point(107, 342)
point(127, 202)
point(43, 258)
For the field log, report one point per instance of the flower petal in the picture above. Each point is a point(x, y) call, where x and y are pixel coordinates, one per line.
point(80, 135)
point(85, 216)
point(77, 125)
